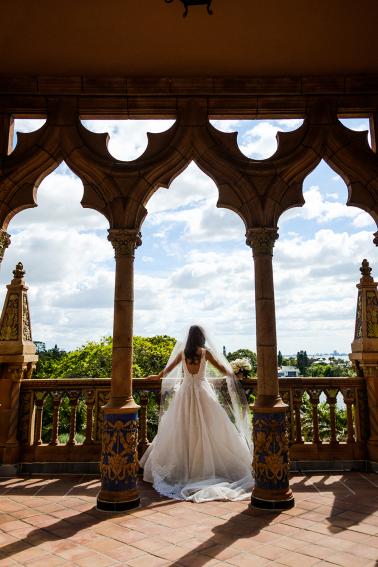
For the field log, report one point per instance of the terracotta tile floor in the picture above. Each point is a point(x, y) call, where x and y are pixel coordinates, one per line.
point(53, 521)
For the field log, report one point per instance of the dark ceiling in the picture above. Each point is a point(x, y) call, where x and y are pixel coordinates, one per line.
point(150, 37)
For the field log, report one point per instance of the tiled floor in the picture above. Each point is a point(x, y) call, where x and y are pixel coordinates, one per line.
point(53, 521)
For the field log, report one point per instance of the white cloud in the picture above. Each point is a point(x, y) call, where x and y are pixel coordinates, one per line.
point(334, 196)
point(257, 138)
point(259, 142)
point(128, 138)
point(363, 220)
point(227, 125)
point(317, 208)
point(26, 125)
point(192, 187)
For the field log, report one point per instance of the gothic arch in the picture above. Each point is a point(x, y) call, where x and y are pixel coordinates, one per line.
point(259, 191)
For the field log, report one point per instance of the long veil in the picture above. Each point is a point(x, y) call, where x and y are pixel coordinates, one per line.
point(225, 386)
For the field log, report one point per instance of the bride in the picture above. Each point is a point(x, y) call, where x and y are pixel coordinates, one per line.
point(203, 448)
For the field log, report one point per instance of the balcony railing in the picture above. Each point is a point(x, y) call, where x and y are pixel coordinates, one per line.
point(60, 420)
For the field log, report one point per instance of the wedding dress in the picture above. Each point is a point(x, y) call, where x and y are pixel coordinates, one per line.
point(203, 448)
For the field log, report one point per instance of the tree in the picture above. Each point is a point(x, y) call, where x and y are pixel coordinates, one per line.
point(151, 354)
point(279, 358)
point(94, 359)
point(302, 362)
point(244, 353)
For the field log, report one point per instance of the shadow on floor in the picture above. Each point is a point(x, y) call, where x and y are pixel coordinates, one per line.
point(354, 497)
point(243, 525)
point(61, 530)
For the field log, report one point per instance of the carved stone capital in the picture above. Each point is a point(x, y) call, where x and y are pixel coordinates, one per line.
point(262, 240)
point(4, 243)
point(124, 240)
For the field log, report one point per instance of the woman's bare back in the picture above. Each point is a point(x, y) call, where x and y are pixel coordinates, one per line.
point(193, 367)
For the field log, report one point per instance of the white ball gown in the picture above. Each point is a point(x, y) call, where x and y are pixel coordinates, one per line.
point(199, 453)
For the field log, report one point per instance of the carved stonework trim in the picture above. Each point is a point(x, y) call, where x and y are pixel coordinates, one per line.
point(262, 240)
point(124, 240)
point(4, 243)
point(358, 328)
point(9, 327)
point(371, 315)
point(27, 336)
point(16, 373)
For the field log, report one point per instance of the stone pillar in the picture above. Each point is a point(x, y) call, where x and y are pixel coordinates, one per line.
point(364, 355)
point(270, 460)
point(17, 360)
point(119, 458)
point(4, 243)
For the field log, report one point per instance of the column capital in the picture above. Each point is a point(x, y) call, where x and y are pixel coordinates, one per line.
point(4, 242)
point(124, 240)
point(261, 240)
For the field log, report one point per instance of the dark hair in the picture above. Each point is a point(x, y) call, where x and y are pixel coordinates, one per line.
point(196, 338)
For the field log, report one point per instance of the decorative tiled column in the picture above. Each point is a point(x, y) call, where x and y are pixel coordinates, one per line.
point(270, 460)
point(364, 353)
point(119, 458)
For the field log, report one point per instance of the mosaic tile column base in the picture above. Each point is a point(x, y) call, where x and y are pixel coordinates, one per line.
point(271, 461)
point(119, 461)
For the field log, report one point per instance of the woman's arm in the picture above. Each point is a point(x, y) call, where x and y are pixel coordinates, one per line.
point(167, 369)
point(217, 365)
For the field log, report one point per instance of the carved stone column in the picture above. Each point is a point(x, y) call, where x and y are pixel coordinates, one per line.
point(17, 360)
point(270, 460)
point(364, 355)
point(119, 458)
point(4, 243)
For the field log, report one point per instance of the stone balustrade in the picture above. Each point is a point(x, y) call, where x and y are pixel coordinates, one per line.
point(50, 406)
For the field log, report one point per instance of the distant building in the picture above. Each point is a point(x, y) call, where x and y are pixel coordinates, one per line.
point(288, 372)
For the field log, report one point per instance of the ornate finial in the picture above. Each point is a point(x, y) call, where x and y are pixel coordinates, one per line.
point(365, 271)
point(19, 272)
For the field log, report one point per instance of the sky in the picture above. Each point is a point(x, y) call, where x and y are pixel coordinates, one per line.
point(193, 265)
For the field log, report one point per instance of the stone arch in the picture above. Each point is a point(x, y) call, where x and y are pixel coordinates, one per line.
point(259, 191)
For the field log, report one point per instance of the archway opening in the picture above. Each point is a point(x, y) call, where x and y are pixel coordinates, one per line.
point(194, 265)
point(71, 288)
point(127, 138)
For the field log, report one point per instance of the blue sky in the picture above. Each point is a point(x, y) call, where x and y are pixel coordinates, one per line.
point(193, 265)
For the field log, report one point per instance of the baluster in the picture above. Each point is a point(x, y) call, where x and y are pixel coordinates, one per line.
point(89, 400)
point(25, 418)
point(143, 443)
point(39, 401)
point(349, 400)
point(102, 398)
point(57, 397)
point(362, 415)
point(290, 429)
point(297, 402)
point(314, 399)
point(73, 396)
point(331, 394)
